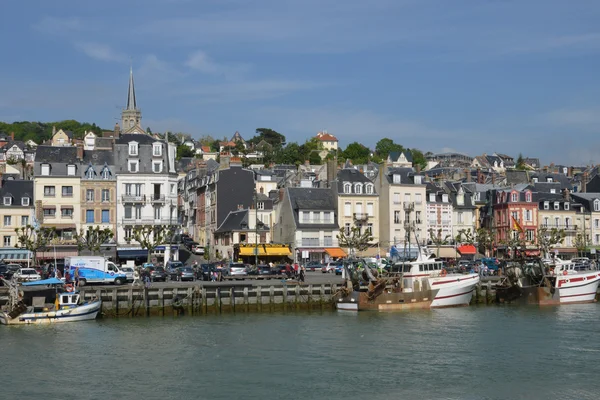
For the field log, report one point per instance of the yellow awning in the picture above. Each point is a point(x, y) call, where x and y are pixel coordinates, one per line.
point(335, 252)
point(249, 251)
point(270, 251)
point(278, 251)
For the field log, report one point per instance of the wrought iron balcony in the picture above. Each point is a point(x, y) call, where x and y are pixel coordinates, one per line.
point(129, 198)
point(157, 198)
point(567, 227)
point(151, 221)
point(361, 216)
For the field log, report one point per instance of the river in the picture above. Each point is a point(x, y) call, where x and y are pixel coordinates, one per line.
point(494, 352)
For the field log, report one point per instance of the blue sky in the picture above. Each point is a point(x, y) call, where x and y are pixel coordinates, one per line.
point(464, 75)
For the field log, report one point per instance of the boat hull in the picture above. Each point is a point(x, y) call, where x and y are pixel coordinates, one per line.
point(454, 290)
point(83, 312)
point(386, 301)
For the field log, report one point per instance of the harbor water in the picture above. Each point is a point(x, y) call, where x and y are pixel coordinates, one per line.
point(498, 352)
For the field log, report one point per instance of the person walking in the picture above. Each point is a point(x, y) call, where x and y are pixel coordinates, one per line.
point(76, 276)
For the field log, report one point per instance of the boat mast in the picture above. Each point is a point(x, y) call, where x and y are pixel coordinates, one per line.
point(408, 209)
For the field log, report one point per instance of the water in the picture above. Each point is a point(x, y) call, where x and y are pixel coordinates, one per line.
point(464, 353)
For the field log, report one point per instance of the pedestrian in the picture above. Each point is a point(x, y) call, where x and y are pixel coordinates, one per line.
point(67, 276)
point(76, 276)
point(136, 277)
point(302, 272)
point(57, 274)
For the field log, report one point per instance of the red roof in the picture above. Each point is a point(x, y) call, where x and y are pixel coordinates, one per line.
point(326, 137)
point(467, 249)
point(206, 149)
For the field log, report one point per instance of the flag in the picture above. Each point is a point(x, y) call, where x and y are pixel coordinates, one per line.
point(516, 225)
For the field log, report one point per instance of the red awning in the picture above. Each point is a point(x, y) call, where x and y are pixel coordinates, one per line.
point(467, 249)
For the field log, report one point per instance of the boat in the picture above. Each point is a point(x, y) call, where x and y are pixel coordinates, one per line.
point(531, 281)
point(46, 301)
point(420, 284)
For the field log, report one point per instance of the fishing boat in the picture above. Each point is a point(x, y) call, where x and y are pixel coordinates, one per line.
point(422, 283)
point(531, 281)
point(44, 302)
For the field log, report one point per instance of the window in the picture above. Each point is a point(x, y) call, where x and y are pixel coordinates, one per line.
point(173, 188)
point(358, 208)
point(396, 178)
point(89, 195)
point(370, 209)
point(556, 221)
point(66, 213)
point(305, 216)
point(260, 205)
point(396, 217)
point(24, 220)
point(6, 241)
point(418, 216)
point(49, 191)
point(128, 189)
point(406, 198)
point(49, 212)
point(7, 220)
point(418, 179)
point(138, 212)
point(432, 197)
point(566, 206)
point(528, 197)
point(327, 240)
point(567, 222)
point(369, 189)
point(552, 190)
point(7, 200)
point(106, 173)
point(347, 188)
point(596, 223)
point(514, 197)
point(347, 209)
point(128, 233)
point(596, 239)
point(156, 149)
point(128, 212)
point(515, 215)
point(71, 170)
point(445, 198)
point(89, 174)
point(24, 201)
point(327, 217)
point(133, 165)
point(89, 216)
point(105, 216)
point(549, 179)
point(133, 149)
point(546, 205)
point(370, 228)
point(105, 195)
point(596, 205)
point(528, 215)
point(157, 167)
point(45, 169)
point(556, 205)
point(418, 198)
point(460, 217)
point(347, 228)
point(358, 188)
point(67, 191)
point(530, 235)
point(396, 198)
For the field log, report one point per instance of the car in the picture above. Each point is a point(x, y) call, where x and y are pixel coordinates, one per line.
point(205, 271)
point(339, 268)
point(27, 275)
point(330, 267)
point(313, 265)
point(158, 274)
point(174, 265)
point(261, 270)
point(238, 269)
point(278, 269)
point(185, 274)
point(128, 271)
point(197, 249)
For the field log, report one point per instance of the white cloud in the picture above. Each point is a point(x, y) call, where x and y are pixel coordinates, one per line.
point(201, 62)
point(100, 52)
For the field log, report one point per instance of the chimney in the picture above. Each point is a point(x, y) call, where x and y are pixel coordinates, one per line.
point(53, 130)
point(567, 195)
point(584, 182)
point(570, 172)
point(12, 136)
point(117, 130)
point(281, 194)
point(79, 152)
point(468, 174)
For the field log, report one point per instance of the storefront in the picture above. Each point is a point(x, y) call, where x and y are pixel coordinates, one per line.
point(10, 255)
point(275, 253)
point(467, 251)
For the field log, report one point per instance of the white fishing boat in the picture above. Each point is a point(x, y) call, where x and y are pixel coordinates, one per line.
point(32, 303)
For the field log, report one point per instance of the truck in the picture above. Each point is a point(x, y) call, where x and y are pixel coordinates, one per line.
point(95, 270)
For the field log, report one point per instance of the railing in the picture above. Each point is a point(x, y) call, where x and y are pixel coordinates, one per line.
point(151, 221)
point(157, 198)
point(361, 216)
point(314, 220)
point(314, 242)
point(128, 198)
point(560, 226)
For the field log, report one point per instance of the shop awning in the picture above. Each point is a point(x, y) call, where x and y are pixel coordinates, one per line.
point(14, 254)
point(335, 252)
point(132, 253)
point(445, 252)
point(50, 254)
point(467, 249)
point(278, 251)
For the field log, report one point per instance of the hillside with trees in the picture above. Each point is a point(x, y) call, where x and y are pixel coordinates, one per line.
point(41, 131)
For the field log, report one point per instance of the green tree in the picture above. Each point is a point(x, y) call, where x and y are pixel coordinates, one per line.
point(152, 236)
point(355, 240)
point(385, 146)
point(520, 164)
point(357, 153)
point(93, 238)
point(548, 238)
point(34, 239)
point(289, 154)
point(314, 158)
point(465, 236)
point(274, 138)
point(206, 140)
point(215, 146)
point(486, 239)
point(581, 243)
point(418, 159)
point(438, 240)
point(184, 151)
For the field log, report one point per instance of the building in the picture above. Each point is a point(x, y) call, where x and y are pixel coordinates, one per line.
point(358, 205)
point(131, 116)
point(98, 190)
point(16, 211)
point(464, 216)
point(146, 184)
point(57, 193)
point(400, 159)
point(439, 216)
point(61, 138)
point(306, 222)
point(402, 207)
point(328, 141)
point(242, 227)
point(561, 212)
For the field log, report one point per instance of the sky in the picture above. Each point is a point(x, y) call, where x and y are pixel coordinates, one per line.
point(472, 76)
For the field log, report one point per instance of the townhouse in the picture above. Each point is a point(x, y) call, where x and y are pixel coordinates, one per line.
point(16, 211)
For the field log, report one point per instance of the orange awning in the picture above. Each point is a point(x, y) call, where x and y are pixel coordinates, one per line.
point(467, 249)
point(335, 252)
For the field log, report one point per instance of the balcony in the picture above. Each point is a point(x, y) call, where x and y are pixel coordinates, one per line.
point(151, 221)
point(361, 216)
point(157, 198)
point(567, 227)
point(314, 220)
point(315, 242)
point(130, 198)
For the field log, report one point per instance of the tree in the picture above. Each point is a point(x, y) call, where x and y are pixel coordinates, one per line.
point(314, 158)
point(418, 159)
point(34, 239)
point(581, 243)
point(93, 238)
point(520, 165)
point(289, 154)
point(385, 146)
point(206, 140)
point(216, 146)
point(485, 238)
point(515, 242)
point(152, 236)
point(274, 138)
point(357, 153)
point(437, 240)
point(184, 151)
point(149, 131)
point(548, 238)
point(355, 240)
point(466, 236)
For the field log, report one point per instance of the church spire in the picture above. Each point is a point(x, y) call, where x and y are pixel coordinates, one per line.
point(131, 105)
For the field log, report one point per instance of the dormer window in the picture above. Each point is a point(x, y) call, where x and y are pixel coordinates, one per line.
point(535, 180)
point(133, 148)
point(45, 169)
point(105, 173)
point(71, 170)
point(552, 190)
point(24, 201)
point(528, 197)
point(157, 149)
point(396, 178)
point(369, 189)
point(432, 197)
point(90, 173)
point(556, 205)
point(418, 179)
point(549, 179)
point(460, 199)
point(445, 198)
point(133, 165)
point(157, 167)
point(546, 205)
point(596, 205)
point(515, 197)
point(358, 188)
point(7, 201)
point(347, 188)
point(566, 206)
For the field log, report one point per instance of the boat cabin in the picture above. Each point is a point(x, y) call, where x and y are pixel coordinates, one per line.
point(68, 299)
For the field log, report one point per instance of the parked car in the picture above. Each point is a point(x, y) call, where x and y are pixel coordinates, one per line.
point(171, 265)
point(185, 274)
point(313, 265)
point(158, 274)
point(261, 270)
point(197, 249)
point(238, 269)
point(27, 275)
point(330, 267)
point(128, 271)
point(339, 268)
point(205, 271)
point(278, 269)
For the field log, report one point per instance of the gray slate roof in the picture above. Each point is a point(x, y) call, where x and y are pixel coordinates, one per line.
point(17, 189)
point(353, 175)
point(238, 221)
point(312, 199)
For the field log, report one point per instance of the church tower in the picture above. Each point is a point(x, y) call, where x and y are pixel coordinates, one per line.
point(131, 116)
